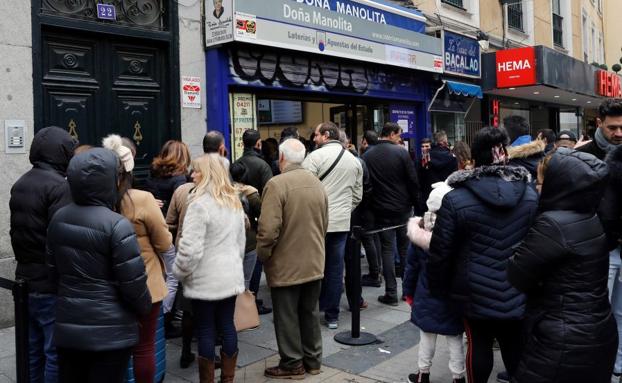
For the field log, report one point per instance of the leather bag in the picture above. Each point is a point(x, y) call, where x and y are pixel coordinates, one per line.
point(245, 316)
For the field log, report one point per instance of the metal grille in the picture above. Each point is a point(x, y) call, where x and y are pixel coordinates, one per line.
point(515, 16)
point(455, 3)
point(558, 34)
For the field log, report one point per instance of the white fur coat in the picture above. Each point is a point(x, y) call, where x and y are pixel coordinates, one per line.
point(211, 250)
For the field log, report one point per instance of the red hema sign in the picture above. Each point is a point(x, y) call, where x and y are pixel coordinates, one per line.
point(608, 84)
point(516, 67)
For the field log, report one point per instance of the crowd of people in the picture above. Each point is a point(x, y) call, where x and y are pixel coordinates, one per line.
point(512, 239)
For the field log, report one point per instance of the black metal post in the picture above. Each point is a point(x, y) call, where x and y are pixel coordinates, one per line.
point(20, 297)
point(355, 337)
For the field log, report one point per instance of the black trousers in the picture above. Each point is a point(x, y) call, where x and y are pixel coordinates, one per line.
point(79, 366)
point(480, 357)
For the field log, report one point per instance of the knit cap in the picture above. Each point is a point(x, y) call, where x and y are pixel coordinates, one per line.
point(113, 142)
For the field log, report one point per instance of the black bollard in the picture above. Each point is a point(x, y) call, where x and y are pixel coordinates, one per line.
point(355, 337)
point(20, 297)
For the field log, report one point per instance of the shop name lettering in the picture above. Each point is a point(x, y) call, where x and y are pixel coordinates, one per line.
point(608, 84)
point(461, 58)
point(316, 18)
point(510, 66)
point(348, 9)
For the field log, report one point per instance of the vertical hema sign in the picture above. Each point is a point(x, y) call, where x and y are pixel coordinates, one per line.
point(516, 67)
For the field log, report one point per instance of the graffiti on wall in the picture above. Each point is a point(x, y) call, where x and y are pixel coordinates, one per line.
point(249, 66)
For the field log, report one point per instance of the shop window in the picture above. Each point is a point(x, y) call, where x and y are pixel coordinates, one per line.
point(585, 40)
point(452, 124)
point(515, 16)
point(455, 3)
point(558, 35)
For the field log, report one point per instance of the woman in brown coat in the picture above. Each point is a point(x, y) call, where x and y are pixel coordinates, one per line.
point(154, 238)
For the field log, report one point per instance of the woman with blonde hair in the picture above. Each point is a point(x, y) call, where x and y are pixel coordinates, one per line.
point(209, 262)
point(154, 238)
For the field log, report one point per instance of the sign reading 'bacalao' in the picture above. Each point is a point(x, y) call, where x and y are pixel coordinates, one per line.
point(516, 67)
point(608, 84)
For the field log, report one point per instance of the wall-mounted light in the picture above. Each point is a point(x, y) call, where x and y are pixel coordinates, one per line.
point(483, 40)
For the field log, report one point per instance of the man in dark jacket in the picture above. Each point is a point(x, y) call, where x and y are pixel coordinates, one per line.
point(562, 267)
point(395, 193)
point(258, 172)
point(439, 165)
point(35, 197)
point(523, 151)
point(480, 221)
point(608, 134)
point(94, 259)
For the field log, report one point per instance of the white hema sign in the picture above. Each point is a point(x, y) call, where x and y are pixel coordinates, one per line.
point(191, 92)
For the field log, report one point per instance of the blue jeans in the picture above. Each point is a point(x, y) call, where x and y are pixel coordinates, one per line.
point(250, 259)
point(212, 316)
point(332, 284)
point(615, 295)
point(43, 357)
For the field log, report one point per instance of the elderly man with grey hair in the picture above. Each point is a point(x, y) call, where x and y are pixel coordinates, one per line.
point(290, 242)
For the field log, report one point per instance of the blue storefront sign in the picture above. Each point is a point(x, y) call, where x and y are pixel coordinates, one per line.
point(405, 116)
point(461, 55)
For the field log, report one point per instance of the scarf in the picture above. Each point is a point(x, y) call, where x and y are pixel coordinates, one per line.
point(602, 142)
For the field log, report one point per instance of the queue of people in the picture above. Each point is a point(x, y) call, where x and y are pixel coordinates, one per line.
point(515, 240)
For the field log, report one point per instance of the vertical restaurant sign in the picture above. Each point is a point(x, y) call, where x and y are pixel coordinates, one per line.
point(516, 67)
point(461, 55)
point(191, 92)
point(218, 22)
point(404, 116)
point(243, 118)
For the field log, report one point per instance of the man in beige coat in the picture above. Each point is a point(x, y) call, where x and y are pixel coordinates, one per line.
point(342, 176)
point(290, 242)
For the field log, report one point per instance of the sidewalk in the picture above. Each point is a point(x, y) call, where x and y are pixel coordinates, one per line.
point(390, 360)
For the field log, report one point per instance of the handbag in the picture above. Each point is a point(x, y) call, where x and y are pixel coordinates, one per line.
point(245, 316)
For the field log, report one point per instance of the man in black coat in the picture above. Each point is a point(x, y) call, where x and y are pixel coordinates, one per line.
point(35, 197)
point(395, 194)
point(439, 165)
point(608, 135)
point(480, 221)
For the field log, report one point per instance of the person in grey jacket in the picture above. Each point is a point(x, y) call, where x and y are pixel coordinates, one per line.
point(94, 260)
point(342, 176)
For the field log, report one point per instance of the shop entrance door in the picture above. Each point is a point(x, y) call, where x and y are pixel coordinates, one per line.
point(356, 119)
point(94, 86)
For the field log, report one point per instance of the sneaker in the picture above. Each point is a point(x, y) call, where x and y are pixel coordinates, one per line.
point(388, 300)
point(364, 305)
point(332, 325)
point(503, 377)
point(278, 372)
point(615, 378)
point(419, 377)
point(263, 310)
point(370, 281)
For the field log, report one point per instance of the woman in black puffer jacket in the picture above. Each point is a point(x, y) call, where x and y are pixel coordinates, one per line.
point(95, 261)
point(562, 265)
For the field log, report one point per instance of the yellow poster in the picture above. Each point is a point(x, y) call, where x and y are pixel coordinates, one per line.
point(243, 117)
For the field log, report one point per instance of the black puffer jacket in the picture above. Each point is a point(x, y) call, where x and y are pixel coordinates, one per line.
point(163, 188)
point(94, 257)
point(488, 212)
point(35, 197)
point(528, 156)
point(563, 266)
point(258, 172)
point(610, 209)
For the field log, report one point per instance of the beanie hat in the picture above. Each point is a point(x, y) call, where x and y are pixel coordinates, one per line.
point(113, 142)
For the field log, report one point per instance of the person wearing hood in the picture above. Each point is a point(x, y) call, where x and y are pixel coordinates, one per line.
point(488, 212)
point(142, 210)
point(35, 197)
point(523, 151)
point(94, 260)
point(437, 165)
point(562, 267)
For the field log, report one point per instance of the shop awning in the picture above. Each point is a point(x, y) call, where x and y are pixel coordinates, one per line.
point(464, 89)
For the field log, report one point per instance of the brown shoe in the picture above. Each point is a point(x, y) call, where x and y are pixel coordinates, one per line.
point(277, 372)
point(206, 370)
point(227, 370)
point(313, 371)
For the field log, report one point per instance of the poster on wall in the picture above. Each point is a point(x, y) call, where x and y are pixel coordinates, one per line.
point(243, 118)
point(191, 92)
point(404, 116)
point(218, 22)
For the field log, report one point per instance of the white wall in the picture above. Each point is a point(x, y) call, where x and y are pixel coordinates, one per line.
point(16, 103)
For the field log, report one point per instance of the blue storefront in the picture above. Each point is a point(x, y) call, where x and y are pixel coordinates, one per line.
point(278, 63)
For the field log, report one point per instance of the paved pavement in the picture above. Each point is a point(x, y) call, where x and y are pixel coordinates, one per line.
point(391, 359)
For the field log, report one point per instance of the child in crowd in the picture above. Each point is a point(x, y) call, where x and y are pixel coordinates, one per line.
point(432, 315)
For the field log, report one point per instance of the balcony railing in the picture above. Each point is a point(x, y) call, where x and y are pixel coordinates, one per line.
point(455, 3)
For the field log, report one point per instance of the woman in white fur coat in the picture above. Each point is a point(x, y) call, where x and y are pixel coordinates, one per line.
point(209, 262)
